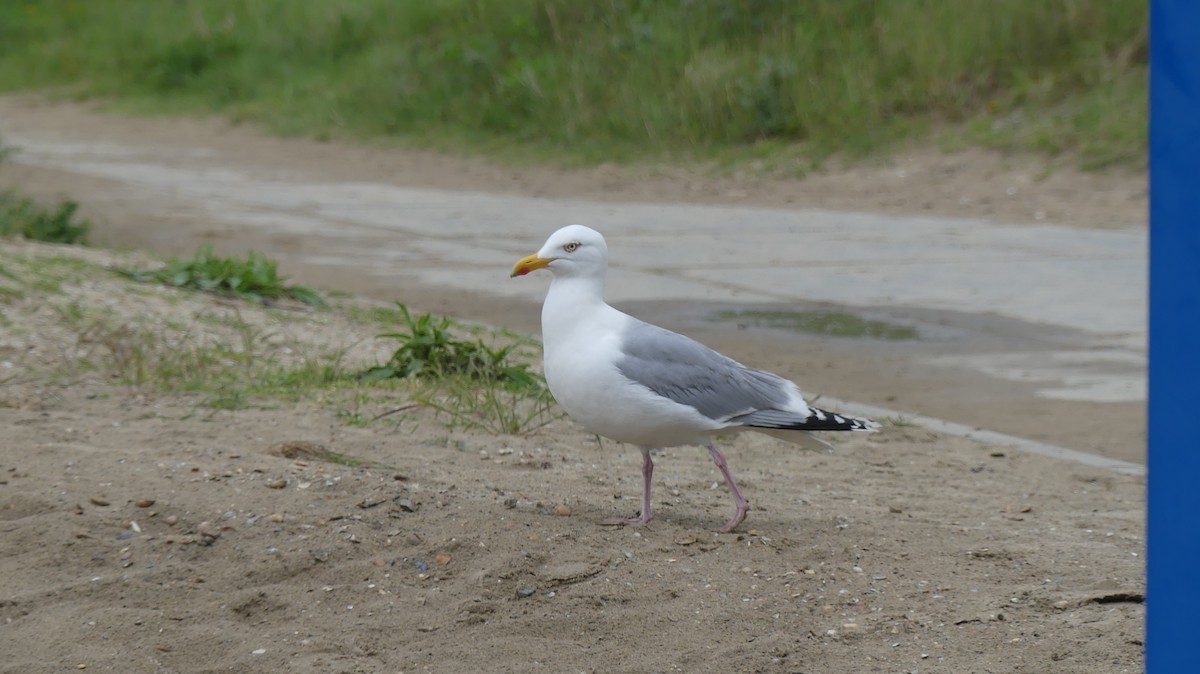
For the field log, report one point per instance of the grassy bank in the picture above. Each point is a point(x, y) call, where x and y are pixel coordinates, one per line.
point(591, 81)
point(69, 320)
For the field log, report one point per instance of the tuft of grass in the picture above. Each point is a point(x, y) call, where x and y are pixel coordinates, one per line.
point(429, 350)
point(22, 216)
point(831, 323)
point(597, 81)
point(474, 384)
point(898, 421)
point(255, 279)
point(493, 406)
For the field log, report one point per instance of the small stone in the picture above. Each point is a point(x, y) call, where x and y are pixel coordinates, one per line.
point(276, 517)
point(277, 484)
point(97, 501)
point(258, 651)
point(562, 510)
point(144, 503)
point(207, 533)
point(406, 505)
point(171, 520)
point(525, 592)
point(442, 560)
point(895, 509)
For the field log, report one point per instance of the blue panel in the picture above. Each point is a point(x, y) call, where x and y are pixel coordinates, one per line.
point(1173, 594)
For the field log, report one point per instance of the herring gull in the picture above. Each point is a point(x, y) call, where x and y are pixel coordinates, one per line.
point(637, 383)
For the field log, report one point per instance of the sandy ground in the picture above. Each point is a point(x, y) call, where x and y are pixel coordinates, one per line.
point(144, 532)
point(455, 550)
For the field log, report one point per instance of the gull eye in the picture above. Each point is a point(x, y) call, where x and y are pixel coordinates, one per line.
point(571, 247)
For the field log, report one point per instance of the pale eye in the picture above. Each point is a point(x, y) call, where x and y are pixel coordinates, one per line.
point(571, 247)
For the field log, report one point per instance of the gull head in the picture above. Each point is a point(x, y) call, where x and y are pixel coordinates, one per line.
point(574, 250)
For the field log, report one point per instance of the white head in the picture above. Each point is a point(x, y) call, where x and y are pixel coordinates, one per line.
point(574, 250)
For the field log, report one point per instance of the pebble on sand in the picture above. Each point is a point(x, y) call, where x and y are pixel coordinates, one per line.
point(207, 533)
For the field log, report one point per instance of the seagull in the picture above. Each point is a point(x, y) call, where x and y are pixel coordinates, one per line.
point(637, 383)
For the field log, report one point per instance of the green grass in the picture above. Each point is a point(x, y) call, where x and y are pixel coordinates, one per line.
point(233, 356)
point(22, 216)
point(255, 279)
point(830, 323)
point(428, 349)
point(470, 382)
point(598, 81)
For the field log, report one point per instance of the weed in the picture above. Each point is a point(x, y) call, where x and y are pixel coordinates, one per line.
point(476, 385)
point(254, 279)
point(898, 421)
point(481, 402)
point(429, 350)
point(22, 216)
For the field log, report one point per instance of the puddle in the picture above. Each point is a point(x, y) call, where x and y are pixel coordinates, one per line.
point(826, 323)
point(1081, 375)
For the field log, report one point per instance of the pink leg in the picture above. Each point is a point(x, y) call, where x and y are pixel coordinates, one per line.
point(740, 502)
point(647, 513)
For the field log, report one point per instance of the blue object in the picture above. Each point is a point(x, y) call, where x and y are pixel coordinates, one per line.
point(1173, 493)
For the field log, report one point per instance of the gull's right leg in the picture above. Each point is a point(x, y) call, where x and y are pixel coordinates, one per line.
point(647, 512)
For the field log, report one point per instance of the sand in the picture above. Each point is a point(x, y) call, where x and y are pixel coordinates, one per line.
point(145, 532)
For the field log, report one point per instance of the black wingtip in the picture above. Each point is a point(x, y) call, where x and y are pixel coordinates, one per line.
point(821, 420)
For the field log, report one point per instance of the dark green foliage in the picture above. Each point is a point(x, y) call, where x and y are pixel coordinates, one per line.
point(21, 216)
point(429, 350)
point(254, 278)
point(467, 381)
point(594, 80)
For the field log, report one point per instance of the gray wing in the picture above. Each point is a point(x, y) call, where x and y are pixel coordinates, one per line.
point(689, 373)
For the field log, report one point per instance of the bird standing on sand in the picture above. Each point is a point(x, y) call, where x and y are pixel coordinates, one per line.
point(633, 382)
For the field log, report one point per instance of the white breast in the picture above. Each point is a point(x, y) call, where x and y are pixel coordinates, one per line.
point(580, 359)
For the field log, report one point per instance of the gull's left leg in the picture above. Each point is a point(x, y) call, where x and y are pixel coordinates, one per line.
point(742, 504)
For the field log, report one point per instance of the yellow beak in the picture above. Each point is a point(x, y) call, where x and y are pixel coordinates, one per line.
point(530, 263)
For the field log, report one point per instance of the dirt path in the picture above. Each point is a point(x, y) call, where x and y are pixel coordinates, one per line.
point(972, 184)
point(918, 377)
